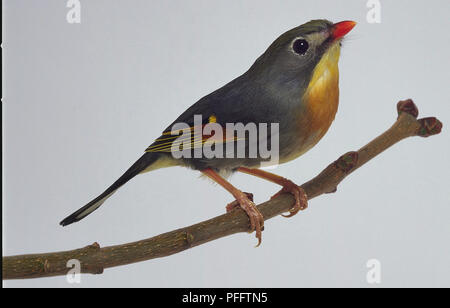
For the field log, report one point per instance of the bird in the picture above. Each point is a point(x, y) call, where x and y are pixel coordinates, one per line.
point(293, 84)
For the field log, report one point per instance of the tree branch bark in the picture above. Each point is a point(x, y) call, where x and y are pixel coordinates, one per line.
point(94, 259)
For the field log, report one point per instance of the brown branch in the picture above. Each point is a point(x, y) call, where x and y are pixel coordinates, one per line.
point(94, 259)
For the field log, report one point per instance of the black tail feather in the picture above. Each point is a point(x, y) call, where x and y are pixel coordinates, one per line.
point(141, 164)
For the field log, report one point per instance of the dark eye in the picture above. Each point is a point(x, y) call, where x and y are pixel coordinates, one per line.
point(300, 46)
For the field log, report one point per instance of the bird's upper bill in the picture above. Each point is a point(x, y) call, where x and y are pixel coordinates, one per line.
point(342, 28)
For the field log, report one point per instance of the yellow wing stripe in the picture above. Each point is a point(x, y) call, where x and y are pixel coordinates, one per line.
point(181, 138)
point(192, 145)
point(197, 140)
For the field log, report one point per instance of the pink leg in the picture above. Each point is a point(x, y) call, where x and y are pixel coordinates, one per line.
point(256, 218)
point(301, 200)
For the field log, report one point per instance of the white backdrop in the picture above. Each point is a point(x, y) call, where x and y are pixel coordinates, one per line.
point(83, 101)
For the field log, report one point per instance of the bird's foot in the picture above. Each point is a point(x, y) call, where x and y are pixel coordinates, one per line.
point(245, 201)
point(232, 205)
point(301, 200)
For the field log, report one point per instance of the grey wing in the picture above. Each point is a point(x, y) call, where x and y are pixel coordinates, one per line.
point(240, 101)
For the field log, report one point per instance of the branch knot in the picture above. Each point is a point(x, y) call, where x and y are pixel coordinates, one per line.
point(347, 162)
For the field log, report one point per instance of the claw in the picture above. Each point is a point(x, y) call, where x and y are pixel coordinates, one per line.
point(232, 205)
point(255, 216)
point(301, 200)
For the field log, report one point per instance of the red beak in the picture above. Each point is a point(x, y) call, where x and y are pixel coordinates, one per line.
point(342, 28)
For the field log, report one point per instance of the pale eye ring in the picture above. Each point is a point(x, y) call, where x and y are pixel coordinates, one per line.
point(300, 46)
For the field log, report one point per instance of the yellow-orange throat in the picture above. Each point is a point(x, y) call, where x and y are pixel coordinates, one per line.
point(322, 95)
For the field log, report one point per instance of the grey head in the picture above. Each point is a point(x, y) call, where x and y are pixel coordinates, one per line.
point(292, 57)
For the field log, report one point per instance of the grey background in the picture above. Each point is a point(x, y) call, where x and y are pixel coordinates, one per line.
point(83, 101)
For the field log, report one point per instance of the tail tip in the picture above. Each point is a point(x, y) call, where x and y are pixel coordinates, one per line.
point(67, 221)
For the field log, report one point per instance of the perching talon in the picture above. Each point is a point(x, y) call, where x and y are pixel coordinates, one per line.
point(301, 199)
point(232, 205)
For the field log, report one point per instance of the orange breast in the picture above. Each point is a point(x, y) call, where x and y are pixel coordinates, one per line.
point(321, 100)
